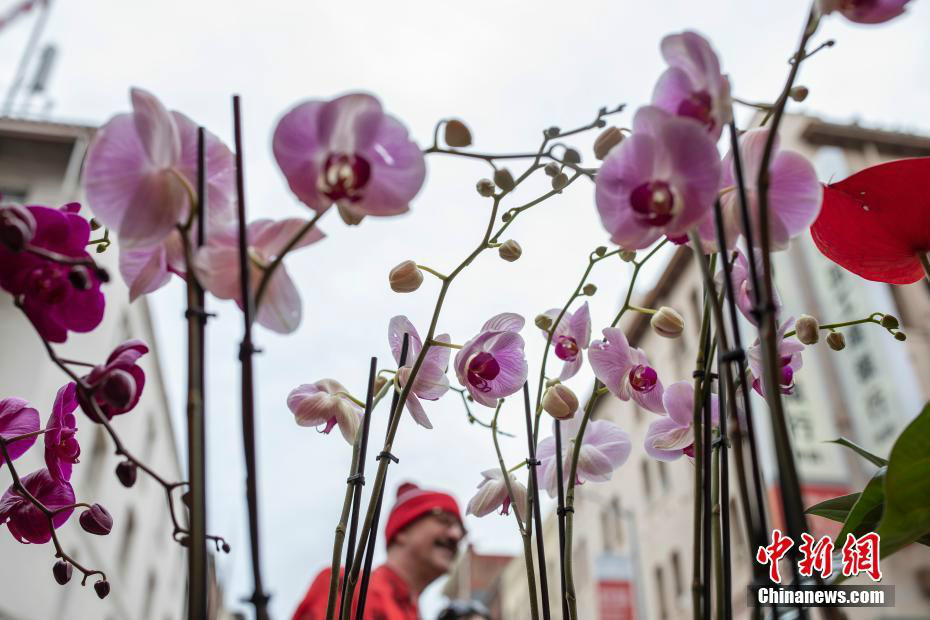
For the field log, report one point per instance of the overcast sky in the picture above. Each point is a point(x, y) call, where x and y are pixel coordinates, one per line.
point(509, 69)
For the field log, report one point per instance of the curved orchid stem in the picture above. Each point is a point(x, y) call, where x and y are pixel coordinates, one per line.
point(834, 326)
point(268, 271)
point(472, 419)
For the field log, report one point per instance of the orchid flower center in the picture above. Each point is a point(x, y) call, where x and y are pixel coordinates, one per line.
point(49, 283)
point(481, 369)
point(505, 507)
point(654, 203)
point(343, 177)
point(698, 106)
point(787, 374)
point(643, 378)
point(566, 349)
point(68, 448)
point(330, 424)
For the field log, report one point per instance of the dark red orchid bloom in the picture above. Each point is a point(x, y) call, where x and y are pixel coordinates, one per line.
point(876, 223)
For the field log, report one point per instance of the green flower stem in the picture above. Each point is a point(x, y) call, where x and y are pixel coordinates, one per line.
point(432, 271)
point(716, 532)
point(832, 326)
point(268, 271)
point(643, 310)
point(339, 538)
point(448, 345)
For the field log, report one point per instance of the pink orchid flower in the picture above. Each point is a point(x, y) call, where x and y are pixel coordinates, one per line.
point(492, 494)
point(794, 194)
point(625, 371)
point(570, 338)
point(673, 435)
point(348, 152)
point(864, 11)
point(17, 418)
point(116, 386)
point(492, 365)
point(742, 284)
point(325, 403)
point(217, 268)
point(662, 180)
point(140, 173)
point(604, 448)
point(789, 359)
point(693, 86)
point(61, 446)
point(431, 381)
point(27, 523)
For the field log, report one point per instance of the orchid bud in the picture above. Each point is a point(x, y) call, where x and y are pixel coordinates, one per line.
point(608, 139)
point(510, 250)
point(118, 389)
point(62, 572)
point(552, 132)
point(560, 402)
point(799, 93)
point(900, 336)
point(94, 224)
point(890, 321)
point(503, 179)
point(457, 134)
point(543, 322)
point(836, 340)
point(96, 520)
point(79, 277)
point(102, 588)
point(17, 227)
point(226, 547)
point(485, 187)
point(600, 250)
point(628, 256)
point(559, 181)
point(380, 383)
point(589, 289)
point(350, 216)
point(571, 156)
point(552, 169)
point(667, 322)
point(808, 329)
point(186, 499)
point(126, 472)
point(405, 277)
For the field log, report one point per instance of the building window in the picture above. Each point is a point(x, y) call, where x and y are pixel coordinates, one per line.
point(677, 577)
point(647, 481)
point(663, 474)
point(618, 519)
point(660, 593)
point(128, 538)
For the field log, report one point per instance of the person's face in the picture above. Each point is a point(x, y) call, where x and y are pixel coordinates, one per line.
point(432, 541)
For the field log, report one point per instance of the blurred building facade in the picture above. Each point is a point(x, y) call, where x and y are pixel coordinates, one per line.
point(476, 577)
point(632, 546)
point(40, 163)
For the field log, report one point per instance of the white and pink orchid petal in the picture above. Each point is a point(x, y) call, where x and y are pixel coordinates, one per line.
point(397, 327)
point(505, 322)
point(144, 269)
point(417, 412)
point(349, 124)
point(270, 237)
point(157, 131)
point(665, 432)
point(579, 325)
point(611, 359)
point(300, 152)
point(280, 309)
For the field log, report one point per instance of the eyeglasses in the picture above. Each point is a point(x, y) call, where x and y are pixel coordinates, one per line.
point(447, 519)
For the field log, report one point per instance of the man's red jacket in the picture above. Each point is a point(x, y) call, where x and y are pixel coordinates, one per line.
point(389, 598)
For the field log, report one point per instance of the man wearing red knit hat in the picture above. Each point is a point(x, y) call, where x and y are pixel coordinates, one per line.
point(422, 533)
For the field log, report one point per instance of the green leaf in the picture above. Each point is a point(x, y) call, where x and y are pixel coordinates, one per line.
point(867, 511)
point(834, 509)
point(907, 487)
point(872, 458)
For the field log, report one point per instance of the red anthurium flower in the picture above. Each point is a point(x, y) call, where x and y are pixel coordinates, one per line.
point(876, 223)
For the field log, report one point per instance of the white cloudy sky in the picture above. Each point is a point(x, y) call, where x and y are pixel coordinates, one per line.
point(509, 69)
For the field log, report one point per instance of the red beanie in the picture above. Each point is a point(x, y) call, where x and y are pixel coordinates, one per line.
point(412, 503)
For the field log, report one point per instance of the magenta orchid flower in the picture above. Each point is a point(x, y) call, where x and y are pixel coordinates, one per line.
point(431, 381)
point(492, 365)
point(325, 403)
point(673, 435)
point(348, 152)
point(693, 86)
point(570, 338)
point(789, 360)
point(140, 173)
point(864, 11)
point(742, 284)
point(492, 494)
point(56, 297)
point(604, 448)
point(217, 267)
point(61, 446)
point(17, 418)
point(794, 194)
point(662, 180)
point(625, 370)
point(27, 523)
point(116, 386)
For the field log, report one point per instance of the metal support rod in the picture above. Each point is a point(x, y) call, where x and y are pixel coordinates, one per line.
point(537, 517)
point(560, 486)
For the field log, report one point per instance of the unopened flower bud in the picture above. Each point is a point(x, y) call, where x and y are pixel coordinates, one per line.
point(457, 134)
point(600, 250)
point(667, 322)
point(543, 322)
point(503, 179)
point(102, 274)
point(350, 216)
point(485, 187)
point(507, 216)
point(94, 224)
point(571, 156)
point(589, 289)
point(79, 277)
point(510, 250)
point(405, 277)
point(184, 541)
point(17, 227)
point(225, 547)
point(900, 336)
point(552, 169)
point(560, 402)
point(608, 139)
point(62, 572)
point(836, 340)
point(96, 520)
point(559, 181)
point(552, 132)
point(186, 499)
point(890, 321)
point(799, 93)
point(628, 256)
point(102, 588)
point(126, 472)
point(808, 329)
point(379, 383)
point(118, 389)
